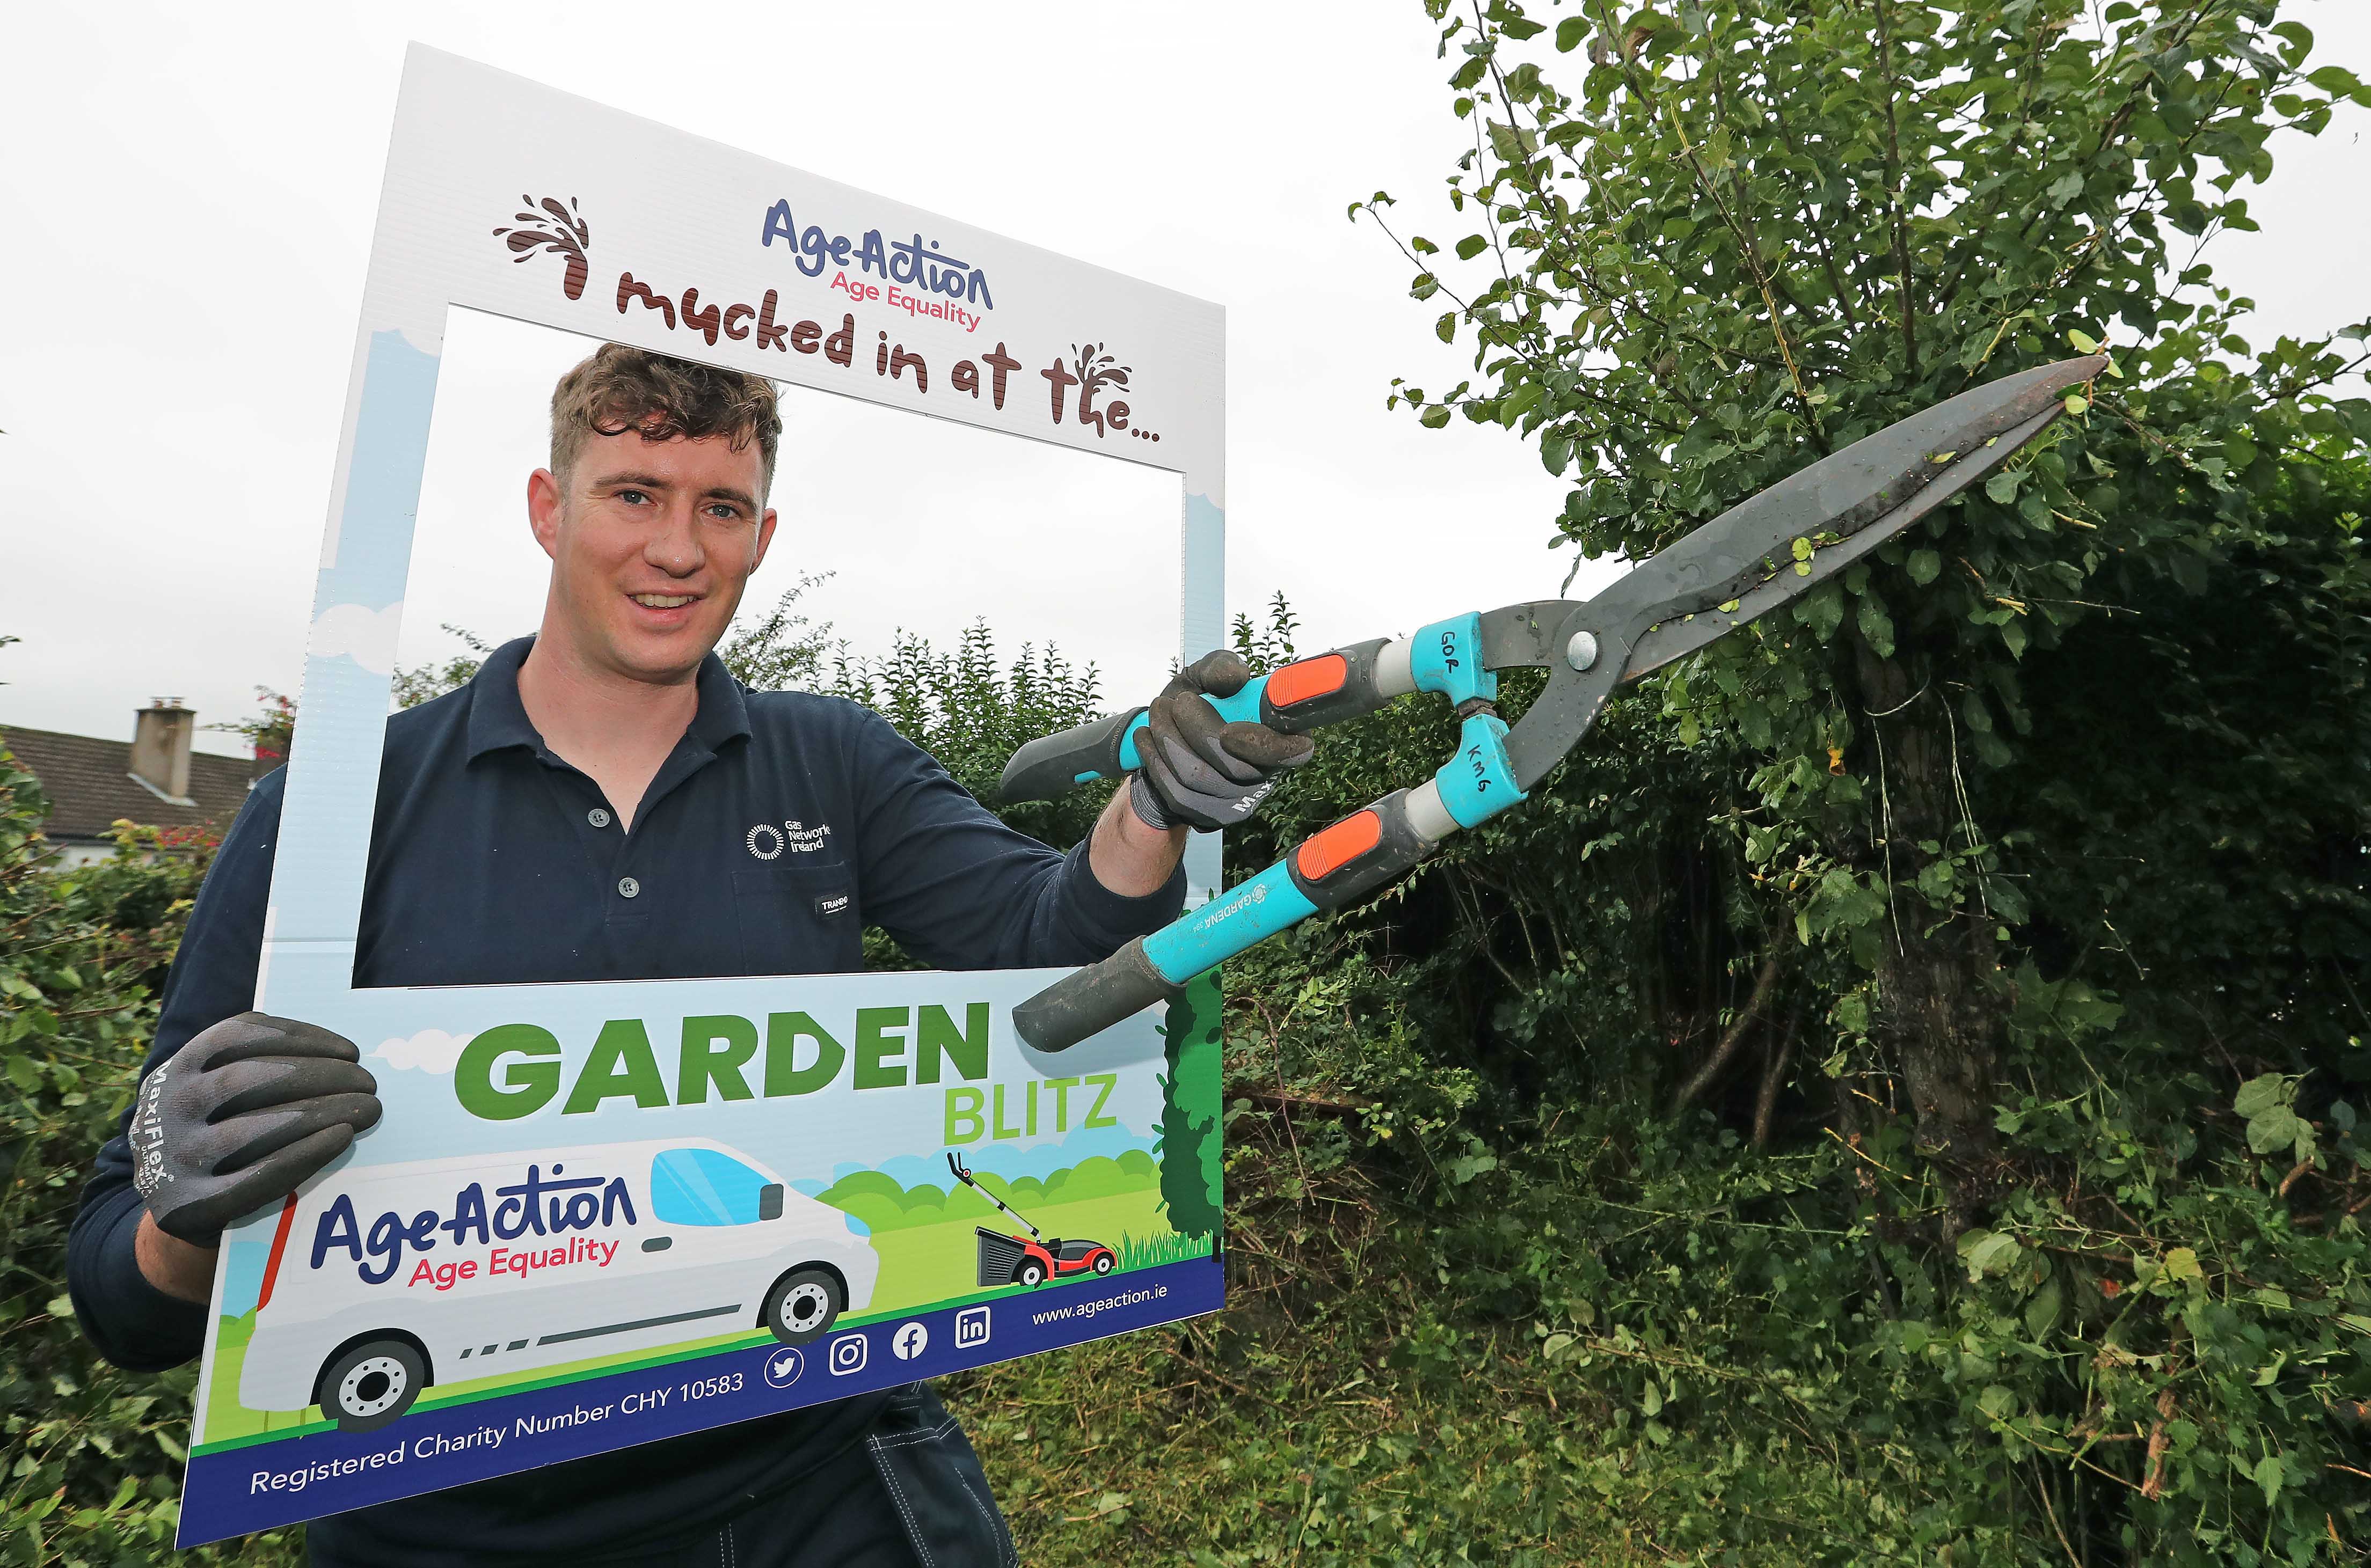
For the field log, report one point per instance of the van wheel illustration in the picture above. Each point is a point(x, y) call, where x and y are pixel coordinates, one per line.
point(1031, 1273)
point(802, 1304)
point(370, 1383)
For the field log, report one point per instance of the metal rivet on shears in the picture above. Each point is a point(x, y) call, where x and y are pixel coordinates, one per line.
point(1581, 651)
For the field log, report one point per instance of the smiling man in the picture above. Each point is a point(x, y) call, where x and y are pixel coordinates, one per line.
point(603, 802)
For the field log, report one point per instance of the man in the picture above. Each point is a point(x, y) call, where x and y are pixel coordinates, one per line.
point(580, 810)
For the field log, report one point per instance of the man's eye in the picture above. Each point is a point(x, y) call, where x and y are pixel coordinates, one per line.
point(724, 512)
point(633, 497)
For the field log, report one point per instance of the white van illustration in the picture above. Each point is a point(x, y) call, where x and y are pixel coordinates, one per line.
point(381, 1282)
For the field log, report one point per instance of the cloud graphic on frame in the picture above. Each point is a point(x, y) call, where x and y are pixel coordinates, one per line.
point(365, 635)
point(431, 1051)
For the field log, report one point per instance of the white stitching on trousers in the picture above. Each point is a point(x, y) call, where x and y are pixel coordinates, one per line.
point(996, 1530)
point(898, 1495)
point(907, 1439)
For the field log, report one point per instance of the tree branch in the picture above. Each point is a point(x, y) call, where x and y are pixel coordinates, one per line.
point(1705, 1077)
point(1893, 194)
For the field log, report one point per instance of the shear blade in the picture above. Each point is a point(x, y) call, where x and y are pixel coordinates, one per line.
point(1873, 485)
point(1742, 564)
point(1686, 632)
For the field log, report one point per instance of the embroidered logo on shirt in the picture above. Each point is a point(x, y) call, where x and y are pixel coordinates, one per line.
point(831, 903)
point(767, 841)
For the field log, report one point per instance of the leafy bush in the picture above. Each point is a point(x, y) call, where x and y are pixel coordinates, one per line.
point(94, 1454)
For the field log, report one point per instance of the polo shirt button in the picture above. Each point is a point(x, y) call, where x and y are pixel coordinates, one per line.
point(597, 817)
point(628, 887)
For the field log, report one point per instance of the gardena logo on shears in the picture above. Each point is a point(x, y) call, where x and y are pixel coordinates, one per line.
point(1254, 893)
point(914, 275)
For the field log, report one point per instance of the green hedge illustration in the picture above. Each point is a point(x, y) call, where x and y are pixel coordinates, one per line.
point(882, 1202)
point(1190, 1144)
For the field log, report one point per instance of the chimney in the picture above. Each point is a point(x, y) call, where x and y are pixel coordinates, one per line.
point(160, 749)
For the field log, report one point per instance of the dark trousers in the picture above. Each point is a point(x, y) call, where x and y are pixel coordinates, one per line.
point(908, 1493)
point(911, 1494)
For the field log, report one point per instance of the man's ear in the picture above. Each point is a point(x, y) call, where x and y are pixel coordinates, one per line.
point(543, 510)
point(765, 540)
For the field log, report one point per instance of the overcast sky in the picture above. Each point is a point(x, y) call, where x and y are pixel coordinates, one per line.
point(188, 204)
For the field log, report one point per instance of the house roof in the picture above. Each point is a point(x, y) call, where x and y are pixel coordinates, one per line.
point(90, 784)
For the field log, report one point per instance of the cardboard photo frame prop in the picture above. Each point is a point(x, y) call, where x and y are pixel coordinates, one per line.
point(819, 1241)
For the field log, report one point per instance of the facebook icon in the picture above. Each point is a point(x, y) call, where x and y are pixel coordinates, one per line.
point(909, 1340)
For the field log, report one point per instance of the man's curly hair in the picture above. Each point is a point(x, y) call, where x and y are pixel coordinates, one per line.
point(622, 388)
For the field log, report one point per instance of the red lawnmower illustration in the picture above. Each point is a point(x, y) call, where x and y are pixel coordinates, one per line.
point(1034, 1259)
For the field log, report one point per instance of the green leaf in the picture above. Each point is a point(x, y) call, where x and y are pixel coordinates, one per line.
point(1876, 627)
point(2181, 1264)
point(1445, 327)
point(2274, 1129)
point(2083, 342)
point(2077, 403)
point(1997, 1401)
point(2268, 1475)
point(1473, 244)
point(2259, 1095)
point(1569, 34)
point(2041, 1312)
point(1987, 1252)
point(1924, 566)
point(2003, 486)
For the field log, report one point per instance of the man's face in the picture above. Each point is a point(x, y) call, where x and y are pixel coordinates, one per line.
point(651, 544)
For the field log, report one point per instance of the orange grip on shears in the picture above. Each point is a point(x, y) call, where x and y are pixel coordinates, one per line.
point(1307, 678)
point(1330, 848)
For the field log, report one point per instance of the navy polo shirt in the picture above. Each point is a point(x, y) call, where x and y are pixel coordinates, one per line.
point(782, 825)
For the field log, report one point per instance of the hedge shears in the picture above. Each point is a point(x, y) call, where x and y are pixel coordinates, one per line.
point(1760, 554)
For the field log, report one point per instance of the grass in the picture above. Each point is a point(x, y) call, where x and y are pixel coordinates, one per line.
point(1164, 1247)
point(1320, 1419)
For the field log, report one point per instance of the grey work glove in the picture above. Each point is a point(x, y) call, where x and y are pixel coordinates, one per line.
point(240, 1116)
point(1199, 770)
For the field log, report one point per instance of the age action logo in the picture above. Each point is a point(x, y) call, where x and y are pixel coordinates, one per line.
point(541, 1206)
point(1079, 386)
point(903, 266)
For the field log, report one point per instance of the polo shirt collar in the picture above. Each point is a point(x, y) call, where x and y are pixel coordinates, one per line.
point(498, 719)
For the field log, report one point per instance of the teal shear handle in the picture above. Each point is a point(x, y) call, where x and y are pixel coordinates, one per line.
point(1295, 697)
point(1332, 867)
